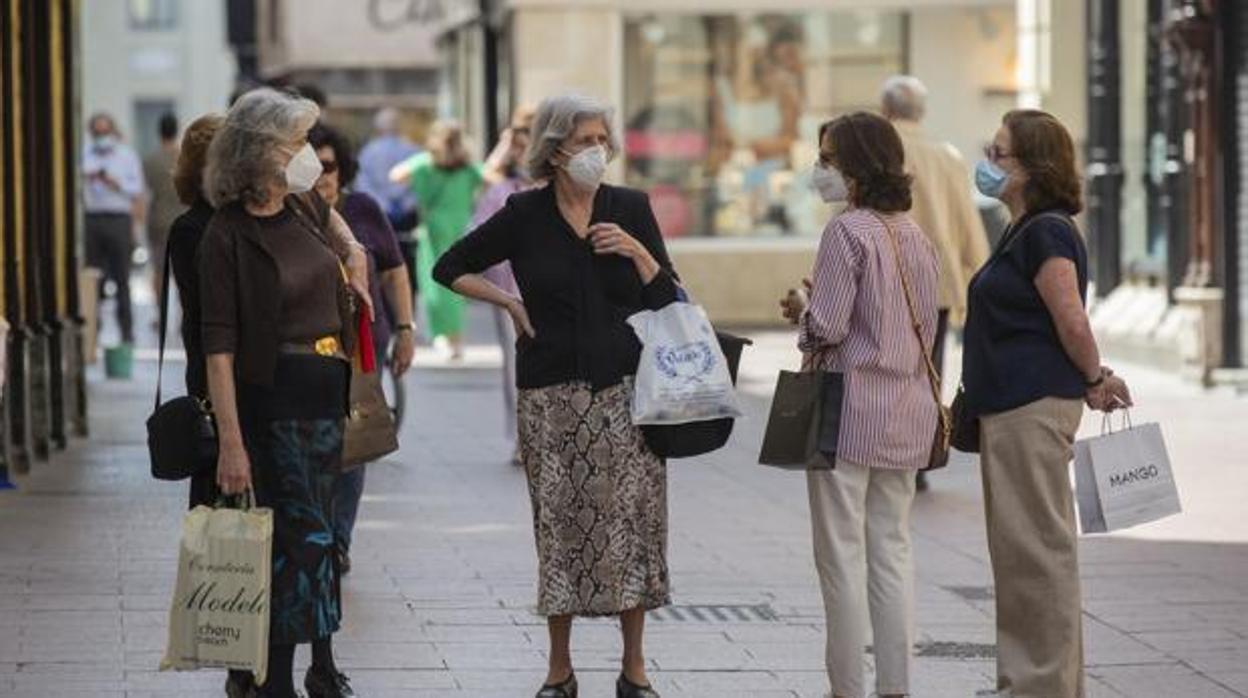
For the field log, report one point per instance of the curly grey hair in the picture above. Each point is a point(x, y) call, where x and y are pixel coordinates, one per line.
point(245, 160)
point(557, 119)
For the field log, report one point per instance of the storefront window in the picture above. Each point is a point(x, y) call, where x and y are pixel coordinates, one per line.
point(722, 112)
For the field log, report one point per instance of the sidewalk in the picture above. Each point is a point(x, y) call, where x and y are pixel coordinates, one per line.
point(439, 602)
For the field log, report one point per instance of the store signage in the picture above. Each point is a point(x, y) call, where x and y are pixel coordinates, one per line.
point(392, 15)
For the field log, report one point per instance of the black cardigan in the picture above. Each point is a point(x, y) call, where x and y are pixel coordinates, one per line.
point(184, 237)
point(578, 301)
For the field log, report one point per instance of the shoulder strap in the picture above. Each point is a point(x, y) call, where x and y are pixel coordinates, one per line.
point(933, 376)
point(164, 318)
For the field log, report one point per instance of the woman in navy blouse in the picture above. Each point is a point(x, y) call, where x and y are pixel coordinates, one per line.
point(1029, 366)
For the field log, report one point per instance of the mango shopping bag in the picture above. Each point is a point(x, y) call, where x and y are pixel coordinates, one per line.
point(1123, 479)
point(219, 616)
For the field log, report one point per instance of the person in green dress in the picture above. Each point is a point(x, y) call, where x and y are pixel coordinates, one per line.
point(446, 182)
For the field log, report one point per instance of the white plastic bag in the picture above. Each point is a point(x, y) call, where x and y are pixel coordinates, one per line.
point(682, 376)
point(1123, 479)
point(220, 611)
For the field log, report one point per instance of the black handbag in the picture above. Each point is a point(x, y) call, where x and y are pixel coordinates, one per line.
point(181, 433)
point(696, 438)
point(965, 436)
point(804, 424)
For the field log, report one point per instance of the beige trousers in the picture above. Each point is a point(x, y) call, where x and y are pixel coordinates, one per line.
point(861, 521)
point(1033, 543)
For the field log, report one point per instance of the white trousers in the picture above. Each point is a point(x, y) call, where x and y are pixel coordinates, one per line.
point(861, 521)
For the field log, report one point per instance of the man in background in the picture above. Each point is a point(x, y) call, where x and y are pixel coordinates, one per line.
point(162, 201)
point(943, 205)
point(112, 187)
point(387, 148)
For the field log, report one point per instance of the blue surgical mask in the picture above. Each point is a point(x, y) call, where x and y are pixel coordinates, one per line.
point(990, 179)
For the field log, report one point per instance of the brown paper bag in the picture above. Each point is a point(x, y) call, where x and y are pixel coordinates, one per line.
point(220, 611)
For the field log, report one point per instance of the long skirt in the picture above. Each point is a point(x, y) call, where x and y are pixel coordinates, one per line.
point(599, 500)
point(293, 435)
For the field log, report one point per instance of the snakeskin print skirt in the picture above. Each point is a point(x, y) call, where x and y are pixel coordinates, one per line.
point(599, 501)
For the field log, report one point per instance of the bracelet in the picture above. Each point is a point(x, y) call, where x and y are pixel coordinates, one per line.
point(1096, 383)
point(405, 327)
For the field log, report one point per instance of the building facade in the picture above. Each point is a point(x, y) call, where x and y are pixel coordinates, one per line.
point(719, 103)
point(143, 58)
point(44, 391)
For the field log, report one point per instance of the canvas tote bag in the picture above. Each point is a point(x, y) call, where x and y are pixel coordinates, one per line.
point(219, 616)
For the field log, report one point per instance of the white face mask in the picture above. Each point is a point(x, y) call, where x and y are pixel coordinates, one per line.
point(587, 167)
point(303, 170)
point(830, 184)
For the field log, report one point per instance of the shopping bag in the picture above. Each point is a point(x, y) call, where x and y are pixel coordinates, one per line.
point(804, 424)
point(683, 375)
point(1123, 479)
point(219, 616)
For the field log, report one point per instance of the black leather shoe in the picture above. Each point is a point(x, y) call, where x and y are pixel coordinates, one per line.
point(627, 689)
point(239, 684)
point(327, 684)
point(567, 689)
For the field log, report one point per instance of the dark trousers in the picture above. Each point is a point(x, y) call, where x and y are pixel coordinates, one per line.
point(109, 245)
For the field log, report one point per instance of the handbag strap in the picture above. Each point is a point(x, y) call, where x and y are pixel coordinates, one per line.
point(933, 376)
point(164, 319)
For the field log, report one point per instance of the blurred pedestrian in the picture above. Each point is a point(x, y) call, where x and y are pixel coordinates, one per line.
point(184, 236)
point(387, 148)
point(505, 168)
point(388, 286)
point(163, 205)
point(943, 206)
point(873, 262)
point(446, 182)
point(277, 331)
point(585, 255)
point(1029, 365)
point(112, 189)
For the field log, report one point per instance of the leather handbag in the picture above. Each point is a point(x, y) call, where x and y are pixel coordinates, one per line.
point(181, 433)
point(696, 438)
point(938, 457)
point(965, 437)
point(804, 424)
point(370, 430)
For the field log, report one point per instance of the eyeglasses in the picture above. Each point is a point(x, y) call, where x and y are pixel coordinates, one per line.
point(994, 153)
point(329, 166)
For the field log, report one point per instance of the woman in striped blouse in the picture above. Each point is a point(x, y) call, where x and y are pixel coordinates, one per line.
point(856, 321)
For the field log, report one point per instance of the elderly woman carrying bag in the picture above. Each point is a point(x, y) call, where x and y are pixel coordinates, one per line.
point(277, 320)
point(585, 256)
point(874, 282)
point(1029, 365)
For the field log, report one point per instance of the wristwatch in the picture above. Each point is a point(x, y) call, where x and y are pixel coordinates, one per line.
point(405, 327)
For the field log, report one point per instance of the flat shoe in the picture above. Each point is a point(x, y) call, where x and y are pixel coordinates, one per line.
point(567, 689)
point(627, 689)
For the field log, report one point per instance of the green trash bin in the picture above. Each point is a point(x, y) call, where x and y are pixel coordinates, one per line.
point(119, 362)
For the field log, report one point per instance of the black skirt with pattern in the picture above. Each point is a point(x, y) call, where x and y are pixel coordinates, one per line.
point(293, 434)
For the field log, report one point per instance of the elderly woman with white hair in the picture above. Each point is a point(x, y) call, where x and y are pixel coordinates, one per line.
point(277, 317)
point(585, 256)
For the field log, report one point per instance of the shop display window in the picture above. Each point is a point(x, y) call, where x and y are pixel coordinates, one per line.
point(722, 112)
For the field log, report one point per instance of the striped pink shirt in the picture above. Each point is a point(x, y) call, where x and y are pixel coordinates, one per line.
point(857, 318)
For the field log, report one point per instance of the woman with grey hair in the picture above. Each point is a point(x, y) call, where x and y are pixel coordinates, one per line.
point(277, 318)
point(585, 256)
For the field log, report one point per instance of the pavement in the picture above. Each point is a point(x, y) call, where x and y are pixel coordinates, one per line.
point(440, 601)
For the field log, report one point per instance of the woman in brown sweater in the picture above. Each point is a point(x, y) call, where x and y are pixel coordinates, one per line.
point(277, 320)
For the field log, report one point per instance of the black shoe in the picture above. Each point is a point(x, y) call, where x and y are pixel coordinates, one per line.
point(327, 684)
point(627, 689)
point(240, 684)
point(567, 689)
point(920, 481)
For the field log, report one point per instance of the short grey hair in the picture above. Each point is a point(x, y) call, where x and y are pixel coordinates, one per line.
point(556, 120)
point(244, 161)
point(904, 97)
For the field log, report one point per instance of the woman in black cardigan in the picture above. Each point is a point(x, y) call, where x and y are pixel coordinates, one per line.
point(586, 256)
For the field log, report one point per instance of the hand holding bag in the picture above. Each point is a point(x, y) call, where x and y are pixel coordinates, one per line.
point(939, 455)
point(370, 430)
point(181, 433)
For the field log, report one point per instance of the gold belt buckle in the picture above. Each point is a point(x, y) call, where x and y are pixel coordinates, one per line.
point(327, 346)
